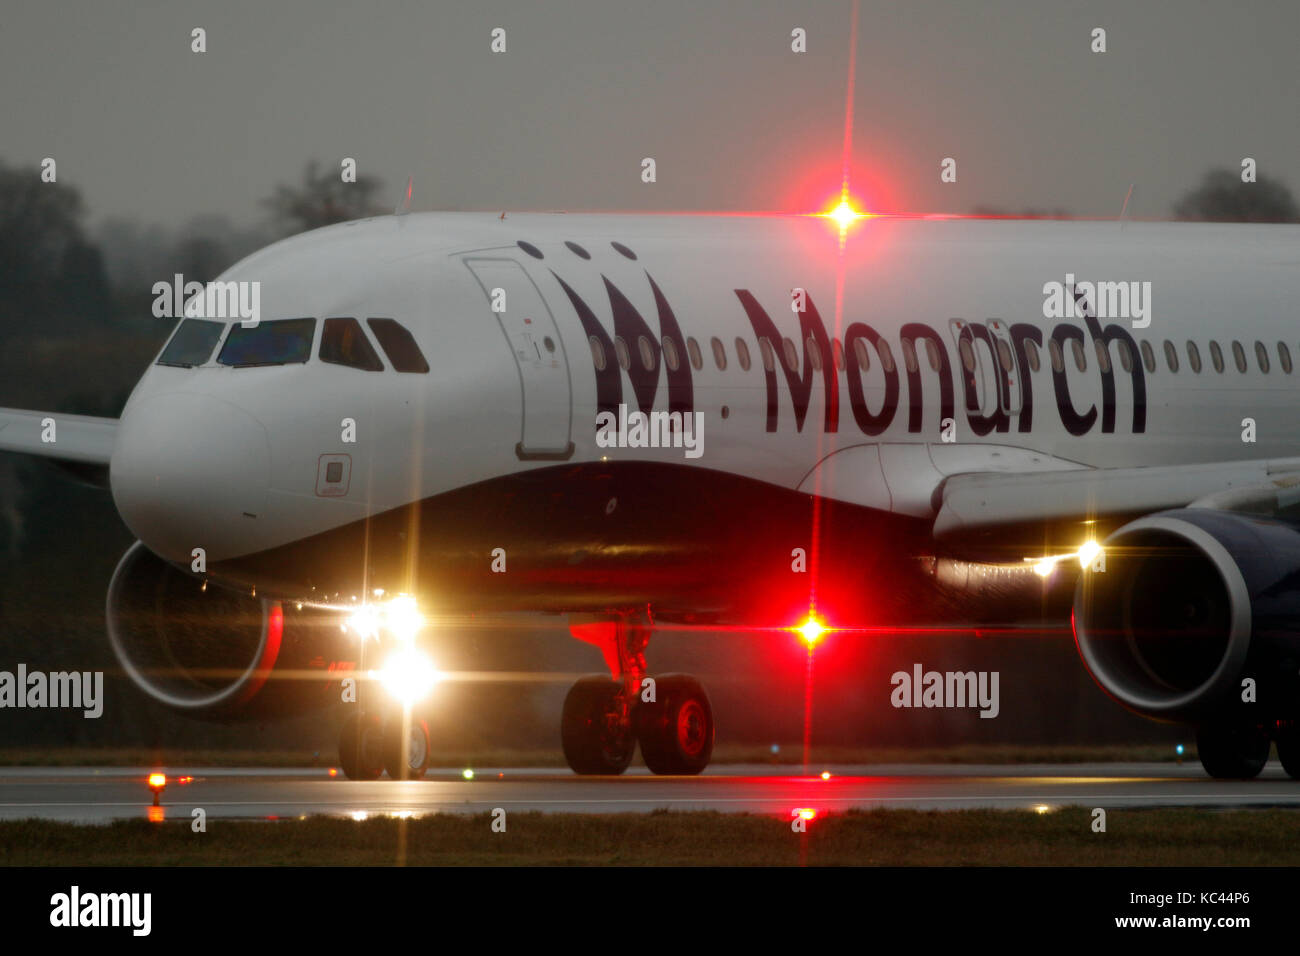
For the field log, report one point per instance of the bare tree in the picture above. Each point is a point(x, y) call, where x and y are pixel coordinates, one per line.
point(1223, 197)
point(321, 199)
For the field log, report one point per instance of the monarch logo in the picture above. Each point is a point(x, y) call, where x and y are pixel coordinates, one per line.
point(993, 377)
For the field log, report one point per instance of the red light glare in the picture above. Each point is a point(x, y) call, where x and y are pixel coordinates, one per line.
point(844, 214)
point(157, 781)
point(811, 630)
point(806, 813)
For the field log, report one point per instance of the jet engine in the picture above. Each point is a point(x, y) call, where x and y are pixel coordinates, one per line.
point(219, 653)
point(1190, 604)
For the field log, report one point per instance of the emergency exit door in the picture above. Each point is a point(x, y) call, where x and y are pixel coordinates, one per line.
point(529, 330)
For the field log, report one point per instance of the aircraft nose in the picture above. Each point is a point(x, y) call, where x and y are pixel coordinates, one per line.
point(190, 471)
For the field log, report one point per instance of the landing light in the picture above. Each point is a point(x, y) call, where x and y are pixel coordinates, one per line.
point(408, 675)
point(1088, 553)
point(400, 616)
point(404, 618)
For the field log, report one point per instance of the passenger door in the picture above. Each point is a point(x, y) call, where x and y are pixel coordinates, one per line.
point(531, 333)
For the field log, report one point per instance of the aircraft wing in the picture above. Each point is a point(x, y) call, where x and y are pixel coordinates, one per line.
point(980, 501)
point(76, 439)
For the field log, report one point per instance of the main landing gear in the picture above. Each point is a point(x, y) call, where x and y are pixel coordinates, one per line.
point(370, 745)
point(604, 719)
point(1240, 750)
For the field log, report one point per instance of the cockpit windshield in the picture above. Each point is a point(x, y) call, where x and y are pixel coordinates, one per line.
point(278, 342)
point(192, 343)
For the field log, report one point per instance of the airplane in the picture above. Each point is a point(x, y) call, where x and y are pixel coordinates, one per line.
point(767, 421)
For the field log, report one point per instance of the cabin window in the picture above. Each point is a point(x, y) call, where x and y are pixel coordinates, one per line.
point(886, 355)
point(1005, 357)
point(967, 352)
point(814, 353)
point(1080, 356)
point(192, 343)
point(909, 355)
point(1171, 356)
point(861, 354)
point(1239, 356)
point(837, 355)
point(769, 358)
point(693, 349)
point(742, 354)
point(719, 353)
point(1284, 357)
point(399, 345)
point(1148, 356)
point(597, 353)
point(647, 353)
point(1216, 356)
point(621, 352)
point(1125, 355)
point(1261, 356)
point(1194, 357)
point(791, 356)
point(279, 342)
point(672, 358)
point(1031, 355)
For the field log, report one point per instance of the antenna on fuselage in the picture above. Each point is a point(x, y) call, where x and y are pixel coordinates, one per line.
point(405, 206)
point(1124, 208)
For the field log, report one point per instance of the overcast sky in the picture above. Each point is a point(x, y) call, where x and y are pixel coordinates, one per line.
point(149, 130)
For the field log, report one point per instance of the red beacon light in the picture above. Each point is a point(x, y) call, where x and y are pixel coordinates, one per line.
point(811, 630)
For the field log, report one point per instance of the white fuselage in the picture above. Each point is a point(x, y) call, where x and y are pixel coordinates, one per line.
point(230, 459)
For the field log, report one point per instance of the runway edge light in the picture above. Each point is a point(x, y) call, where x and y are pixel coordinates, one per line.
point(157, 783)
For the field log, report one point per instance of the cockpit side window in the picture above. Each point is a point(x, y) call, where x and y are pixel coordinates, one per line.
point(192, 343)
point(278, 342)
point(344, 342)
point(399, 345)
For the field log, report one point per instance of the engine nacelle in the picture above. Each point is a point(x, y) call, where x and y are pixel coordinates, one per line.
point(1190, 603)
point(212, 652)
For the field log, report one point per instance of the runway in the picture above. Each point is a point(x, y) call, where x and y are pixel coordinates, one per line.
point(101, 794)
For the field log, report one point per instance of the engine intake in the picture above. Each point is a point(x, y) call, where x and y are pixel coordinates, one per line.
point(214, 652)
point(1190, 602)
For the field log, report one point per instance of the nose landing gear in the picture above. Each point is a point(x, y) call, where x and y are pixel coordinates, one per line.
point(368, 746)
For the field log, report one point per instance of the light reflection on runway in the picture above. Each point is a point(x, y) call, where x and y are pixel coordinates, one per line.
point(88, 794)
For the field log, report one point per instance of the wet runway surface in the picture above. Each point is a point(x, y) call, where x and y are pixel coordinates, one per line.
point(100, 794)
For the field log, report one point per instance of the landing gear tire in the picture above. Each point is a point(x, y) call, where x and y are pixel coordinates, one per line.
point(676, 729)
point(1288, 750)
point(1232, 751)
point(406, 756)
point(361, 747)
point(594, 728)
